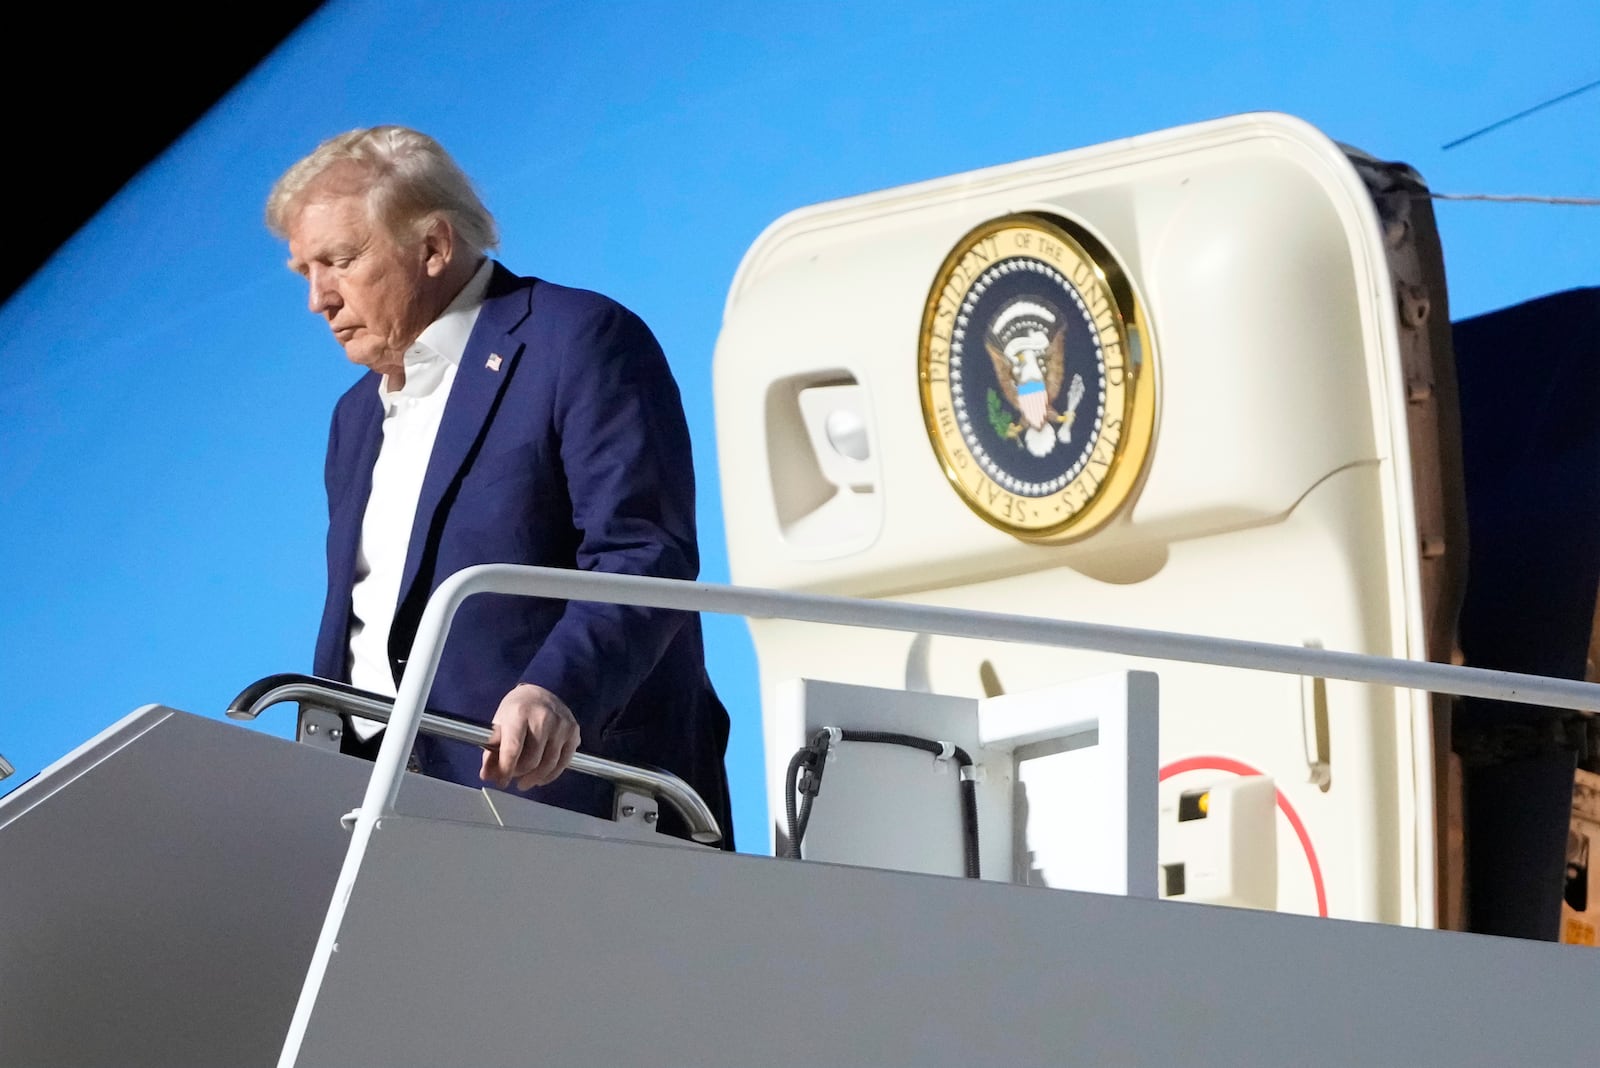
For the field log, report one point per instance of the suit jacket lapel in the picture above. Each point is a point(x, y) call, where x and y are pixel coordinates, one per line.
point(486, 365)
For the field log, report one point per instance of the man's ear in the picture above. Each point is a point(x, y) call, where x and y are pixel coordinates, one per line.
point(438, 245)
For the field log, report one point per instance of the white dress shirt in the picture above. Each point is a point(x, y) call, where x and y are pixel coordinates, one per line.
point(411, 417)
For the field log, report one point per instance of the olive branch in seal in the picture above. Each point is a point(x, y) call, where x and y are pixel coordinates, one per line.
point(999, 418)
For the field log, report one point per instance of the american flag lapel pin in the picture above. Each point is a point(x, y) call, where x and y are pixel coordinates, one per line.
point(493, 363)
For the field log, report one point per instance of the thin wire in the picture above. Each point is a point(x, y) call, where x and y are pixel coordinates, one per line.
point(1518, 198)
point(1521, 115)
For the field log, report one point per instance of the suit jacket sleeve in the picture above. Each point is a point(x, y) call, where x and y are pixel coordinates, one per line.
point(330, 660)
point(625, 454)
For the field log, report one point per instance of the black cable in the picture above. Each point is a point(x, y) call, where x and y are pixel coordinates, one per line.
point(1524, 113)
point(805, 777)
point(807, 758)
point(969, 824)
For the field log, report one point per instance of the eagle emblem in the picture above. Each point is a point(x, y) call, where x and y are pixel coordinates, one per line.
point(1027, 344)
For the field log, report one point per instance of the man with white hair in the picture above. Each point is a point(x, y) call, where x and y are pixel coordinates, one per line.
point(501, 420)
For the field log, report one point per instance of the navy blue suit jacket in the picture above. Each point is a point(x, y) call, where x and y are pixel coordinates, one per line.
point(569, 450)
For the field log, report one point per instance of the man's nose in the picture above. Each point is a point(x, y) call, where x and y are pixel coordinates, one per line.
point(324, 294)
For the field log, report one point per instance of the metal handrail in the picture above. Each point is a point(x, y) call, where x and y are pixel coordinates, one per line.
point(339, 697)
point(644, 591)
point(754, 603)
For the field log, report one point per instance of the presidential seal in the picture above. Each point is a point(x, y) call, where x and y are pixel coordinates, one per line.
point(1037, 377)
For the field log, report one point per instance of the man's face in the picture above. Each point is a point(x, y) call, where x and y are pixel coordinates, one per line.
point(376, 295)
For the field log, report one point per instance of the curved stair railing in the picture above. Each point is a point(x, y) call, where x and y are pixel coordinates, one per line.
point(339, 697)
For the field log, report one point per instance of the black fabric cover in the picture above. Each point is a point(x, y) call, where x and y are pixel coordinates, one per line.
point(1530, 419)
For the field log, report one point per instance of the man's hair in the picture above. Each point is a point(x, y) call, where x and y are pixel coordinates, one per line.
point(408, 177)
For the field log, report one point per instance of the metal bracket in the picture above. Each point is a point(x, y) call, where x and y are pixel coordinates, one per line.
point(320, 727)
point(635, 808)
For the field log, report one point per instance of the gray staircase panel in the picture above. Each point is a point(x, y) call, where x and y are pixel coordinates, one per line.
point(163, 886)
point(464, 946)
